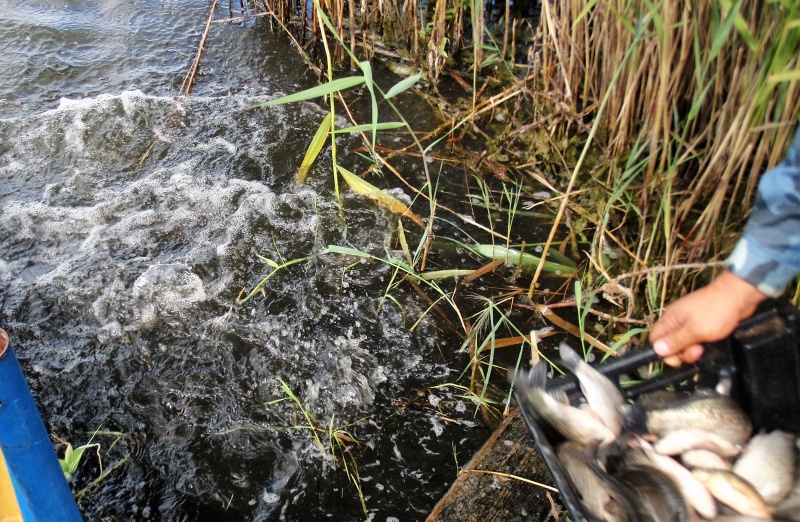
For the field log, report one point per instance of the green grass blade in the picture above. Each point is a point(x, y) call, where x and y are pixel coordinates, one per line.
point(366, 68)
point(445, 274)
point(336, 249)
point(337, 85)
point(403, 85)
point(524, 260)
point(785, 76)
point(371, 127)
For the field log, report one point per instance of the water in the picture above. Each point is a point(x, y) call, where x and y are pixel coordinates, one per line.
point(130, 222)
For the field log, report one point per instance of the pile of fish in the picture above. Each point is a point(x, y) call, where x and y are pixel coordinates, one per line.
point(668, 456)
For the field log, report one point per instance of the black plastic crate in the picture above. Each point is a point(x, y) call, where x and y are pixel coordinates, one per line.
point(760, 361)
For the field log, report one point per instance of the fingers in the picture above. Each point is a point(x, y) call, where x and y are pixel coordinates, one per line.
point(690, 355)
point(680, 337)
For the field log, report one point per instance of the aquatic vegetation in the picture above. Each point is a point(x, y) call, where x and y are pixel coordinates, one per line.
point(634, 132)
point(73, 457)
point(337, 449)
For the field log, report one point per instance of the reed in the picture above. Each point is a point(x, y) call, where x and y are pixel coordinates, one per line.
point(708, 100)
point(677, 108)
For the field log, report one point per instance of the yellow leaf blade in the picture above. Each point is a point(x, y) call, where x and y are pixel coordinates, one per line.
point(382, 198)
point(315, 147)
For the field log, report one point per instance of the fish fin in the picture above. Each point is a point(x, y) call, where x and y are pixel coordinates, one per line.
point(521, 380)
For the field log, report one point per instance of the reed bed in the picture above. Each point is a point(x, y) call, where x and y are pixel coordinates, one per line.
point(702, 98)
point(688, 104)
point(649, 124)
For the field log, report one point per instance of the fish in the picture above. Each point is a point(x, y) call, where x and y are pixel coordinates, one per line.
point(788, 509)
point(768, 463)
point(601, 496)
point(702, 410)
point(694, 492)
point(658, 399)
point(681, 440)
point(738, 518)
point(655, 496)
point(554, 409)
point(700, 458)
point(734, 491)
point(603, 396)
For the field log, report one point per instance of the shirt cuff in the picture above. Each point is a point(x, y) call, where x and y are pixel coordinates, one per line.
point(759, 267)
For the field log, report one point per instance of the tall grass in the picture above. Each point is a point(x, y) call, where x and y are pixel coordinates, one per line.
point(677, 107)
point(708, 100)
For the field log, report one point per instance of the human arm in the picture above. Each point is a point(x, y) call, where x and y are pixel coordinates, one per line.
point(765, 259)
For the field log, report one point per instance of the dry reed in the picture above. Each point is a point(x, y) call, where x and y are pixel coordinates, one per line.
point(705, 98)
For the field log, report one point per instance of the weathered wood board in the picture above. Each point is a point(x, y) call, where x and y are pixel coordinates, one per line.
point(480, 496)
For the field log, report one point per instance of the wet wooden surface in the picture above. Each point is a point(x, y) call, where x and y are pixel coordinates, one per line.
point(480, 496)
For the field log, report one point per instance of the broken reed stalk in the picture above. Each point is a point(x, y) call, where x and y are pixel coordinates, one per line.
point(188, 81)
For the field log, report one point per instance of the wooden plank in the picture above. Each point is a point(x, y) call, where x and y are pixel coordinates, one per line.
point(480, 495)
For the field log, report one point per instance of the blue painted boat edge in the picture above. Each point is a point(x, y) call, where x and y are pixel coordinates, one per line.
point(24, 509)
point(29, 454)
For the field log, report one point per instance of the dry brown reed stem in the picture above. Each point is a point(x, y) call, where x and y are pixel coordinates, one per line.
point(188, 81)
point(313, 66)
point(565, 325)
point(240, 18)
point(508, 476)
point(477, 11)
point(351, 7)
point(557, 47)
point(436, 40)
point(699, 98)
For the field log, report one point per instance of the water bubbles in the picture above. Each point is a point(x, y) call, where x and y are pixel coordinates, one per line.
point(169, 287)
point(270, 498)
point(538, 248)
point(438, 427)
point(434, 400)
point(142, 267)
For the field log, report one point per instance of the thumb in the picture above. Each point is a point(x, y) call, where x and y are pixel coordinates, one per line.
point(674, 342)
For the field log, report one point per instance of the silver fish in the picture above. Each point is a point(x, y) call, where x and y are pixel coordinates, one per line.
point(704, 411)
point(681, 440)
point(554, 409)
point(695, 493)
point(600, 495)
point(733, 491)
point(655, 496)
point(768, 463)
point(603, 396)
point(700, 458)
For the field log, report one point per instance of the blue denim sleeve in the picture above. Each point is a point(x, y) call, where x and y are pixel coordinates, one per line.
point(768, 253)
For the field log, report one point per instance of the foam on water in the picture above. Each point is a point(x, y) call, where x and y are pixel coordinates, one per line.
point(129, 274)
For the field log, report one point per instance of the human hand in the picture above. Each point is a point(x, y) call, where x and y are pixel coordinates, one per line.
point(705, 315)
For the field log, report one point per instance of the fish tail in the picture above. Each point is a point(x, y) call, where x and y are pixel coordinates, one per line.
point(522, 380)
